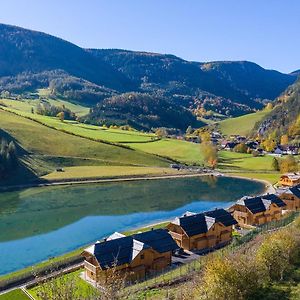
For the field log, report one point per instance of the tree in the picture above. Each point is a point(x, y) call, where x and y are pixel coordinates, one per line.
point(161, 132)
point(189, 130)
point(209, 153)
point(269, 106)
point(241, 148)
point(61, 116)
point(275, 164)
point(269, 145)
point(205, 136)
point(284, 140)
point(288, 165)
point(277, 253)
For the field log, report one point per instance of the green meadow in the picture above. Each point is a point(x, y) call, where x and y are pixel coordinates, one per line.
point(241, 125)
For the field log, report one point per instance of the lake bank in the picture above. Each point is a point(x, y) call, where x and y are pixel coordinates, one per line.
point(55, 220)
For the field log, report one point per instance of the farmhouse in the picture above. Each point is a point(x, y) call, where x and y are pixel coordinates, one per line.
point(257, 210)
point(290, 179)
point(202, 231)
point(130, 256)
point(290, 196)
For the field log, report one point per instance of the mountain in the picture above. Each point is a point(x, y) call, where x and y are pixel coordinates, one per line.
point(23, 50)
point(241, 82)
point(285, 117)
point(141, 111)
point(295, 73)
point(31, 60)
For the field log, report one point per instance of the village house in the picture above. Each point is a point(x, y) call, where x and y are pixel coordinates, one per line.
point(132, 257)
point(290, 179)
point(203, 230)
point(257, 210)
point(290, 196)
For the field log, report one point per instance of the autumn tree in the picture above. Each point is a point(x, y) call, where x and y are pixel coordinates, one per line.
point(241, 148)
point(205, 136)
point(277, 253)
point(209, 153)
point(269, 106)
point(289, 164)
point(284, 140)
point(61, 116)
point(269, 145)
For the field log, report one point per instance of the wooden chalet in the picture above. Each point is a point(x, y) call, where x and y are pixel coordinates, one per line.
point(132, 257)
point(290, 196)
point(202, 231)
point(257, 210)
point(290, 179)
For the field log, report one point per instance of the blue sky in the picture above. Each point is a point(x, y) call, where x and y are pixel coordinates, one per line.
point(263, 31)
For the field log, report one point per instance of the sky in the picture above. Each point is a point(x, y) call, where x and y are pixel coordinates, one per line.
point(262, 31)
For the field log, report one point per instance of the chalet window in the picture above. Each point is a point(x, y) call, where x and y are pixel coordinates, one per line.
point(142, 256)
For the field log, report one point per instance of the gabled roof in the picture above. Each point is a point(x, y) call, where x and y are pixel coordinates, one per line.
point(119, 249)
point(221, 215)
point(116, 252)
point(194, 224)
point(261, 203)
point(159, 240)
point(255, 204)
point(295, 190)
point(274, 199)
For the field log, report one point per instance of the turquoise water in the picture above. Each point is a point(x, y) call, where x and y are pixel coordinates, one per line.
point(39, 223)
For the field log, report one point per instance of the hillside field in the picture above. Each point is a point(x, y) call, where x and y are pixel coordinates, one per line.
point(241, 125)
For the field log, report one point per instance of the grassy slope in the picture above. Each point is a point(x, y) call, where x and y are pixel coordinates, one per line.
point(108, 172)
point(27, 105)
point(179, 150)
point(14, 295)
point(89, 131)
point(42, 140)
point(82, 287)
point(241, 125)
point(244, 162)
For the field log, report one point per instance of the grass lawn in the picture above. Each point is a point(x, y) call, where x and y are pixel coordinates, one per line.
point(241, 125)
point(270, 177)
point(14, 295)
point(40, 139)
point(82, 288)
point(179, 150)
point(244, 162)
point(108, 172)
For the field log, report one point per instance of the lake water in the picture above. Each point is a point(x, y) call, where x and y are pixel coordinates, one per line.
point(39, 223)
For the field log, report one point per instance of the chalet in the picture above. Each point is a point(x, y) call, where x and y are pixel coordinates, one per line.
point(279, 150)
point(203, 230)
point(292, 150)
point(257, 210)
point(290, 179)
point(131, 256)
point(252, 145)
point(230, 146)
point(290, 196)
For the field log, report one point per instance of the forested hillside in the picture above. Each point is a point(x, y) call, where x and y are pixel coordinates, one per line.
point(285, 117)
point(31, 60)
point(142, 111)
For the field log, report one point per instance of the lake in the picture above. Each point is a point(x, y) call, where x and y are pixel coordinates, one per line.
point(39, 223)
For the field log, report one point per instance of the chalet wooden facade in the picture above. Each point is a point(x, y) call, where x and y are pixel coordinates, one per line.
point(202, 231)
point(132, 257)
point(257, 210)
point(290, 196)
point(290, 179)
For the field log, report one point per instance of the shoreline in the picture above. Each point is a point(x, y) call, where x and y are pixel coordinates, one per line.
point(268, 188)
point(99, 181)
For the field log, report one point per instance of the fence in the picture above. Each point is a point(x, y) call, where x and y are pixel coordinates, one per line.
point(182, 273)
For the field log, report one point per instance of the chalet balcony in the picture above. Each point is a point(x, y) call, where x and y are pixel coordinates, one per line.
point(177, 236)
point(90, 267)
